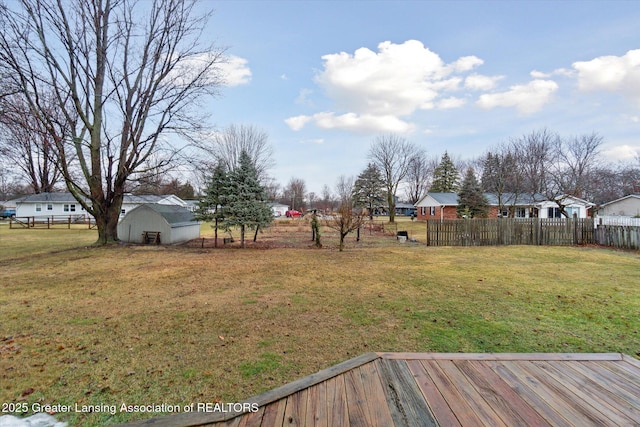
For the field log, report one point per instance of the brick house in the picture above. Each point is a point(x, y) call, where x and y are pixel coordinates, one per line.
point(443, 206)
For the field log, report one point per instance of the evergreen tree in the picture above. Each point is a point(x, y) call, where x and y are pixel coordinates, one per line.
point(210, 207)
point(471, 201)
point(445, 176)
point(368, 190)
point(245, 200)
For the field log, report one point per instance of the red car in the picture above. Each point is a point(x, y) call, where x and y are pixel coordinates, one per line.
point(293, 214)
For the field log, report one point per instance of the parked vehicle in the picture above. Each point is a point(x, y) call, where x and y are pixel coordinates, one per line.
point(293, 214)
point(7, 213)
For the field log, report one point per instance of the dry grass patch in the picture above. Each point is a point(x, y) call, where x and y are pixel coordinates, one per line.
point(147, 325)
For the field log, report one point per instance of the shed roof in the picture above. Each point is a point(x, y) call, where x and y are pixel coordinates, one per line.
point(452, 389)
point(176, 216)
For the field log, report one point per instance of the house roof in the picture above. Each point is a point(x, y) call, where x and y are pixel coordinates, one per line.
point(446, 199)
point(508, 199)
point(630, 196)
point(48, 197)
point(431, 389)
point(176, 216)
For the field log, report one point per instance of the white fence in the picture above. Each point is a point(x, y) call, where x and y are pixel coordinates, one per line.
point(617, 220)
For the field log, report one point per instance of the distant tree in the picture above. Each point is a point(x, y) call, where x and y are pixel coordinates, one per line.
point(245, 200)
point(501, 176)
point(211, 206)
point(369, 190)
point(327, 201)
point(445, 176)
point(348, 217)
point(392, 155)
point(177, 188)
point(471, 201)
point(293, 194)
point(225, 147)
point(419, 176)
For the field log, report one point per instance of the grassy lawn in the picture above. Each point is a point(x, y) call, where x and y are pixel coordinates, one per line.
point(147, 325)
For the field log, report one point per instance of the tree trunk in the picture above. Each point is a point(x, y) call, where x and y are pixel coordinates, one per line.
point(342, 236)
point(242, 236)
point(107, 224)
point(392, 208)
point(255, 236)
point(215, 234)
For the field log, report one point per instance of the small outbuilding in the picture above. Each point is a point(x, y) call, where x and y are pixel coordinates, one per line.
point(156, 223)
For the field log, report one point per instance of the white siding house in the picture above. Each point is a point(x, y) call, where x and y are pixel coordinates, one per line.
point(628, 206)
point(174, 223)
point(48, 204)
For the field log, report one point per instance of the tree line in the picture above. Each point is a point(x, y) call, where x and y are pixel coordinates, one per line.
point(93, 97)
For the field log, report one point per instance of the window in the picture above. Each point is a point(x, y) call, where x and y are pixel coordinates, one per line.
point(554, 213)
point(122, 211)
point(521, 213)
point(432, 211)
point(38, 207)
point(49, 207)
point(70, 208)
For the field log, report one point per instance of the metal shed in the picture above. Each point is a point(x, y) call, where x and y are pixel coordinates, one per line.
point(168, 224)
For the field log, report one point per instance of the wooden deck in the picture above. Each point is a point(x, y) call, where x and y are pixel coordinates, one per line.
point(455, 389)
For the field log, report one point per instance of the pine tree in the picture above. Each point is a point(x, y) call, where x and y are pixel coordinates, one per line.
point(445, 176)
point(245, 201)
point(471, 201)
point(210, 207)
point(368, 190)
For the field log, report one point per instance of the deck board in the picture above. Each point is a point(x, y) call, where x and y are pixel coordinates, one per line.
point(447, 389)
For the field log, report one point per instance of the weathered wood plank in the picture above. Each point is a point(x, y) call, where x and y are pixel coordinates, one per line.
point(584, 389)
point(630, 378)
point(252, 419)
point(583, 413)
point(438, 405)
point(511, 408)
point(317, 406)
point(337, 402)
point(501, 356)
point(616, 382)
point(378, 407)
point(480, 406)
point(274, 413)
point(526, 388)
point(296, 410)
point(461, 408)
point(405, 400)
point(356, 399)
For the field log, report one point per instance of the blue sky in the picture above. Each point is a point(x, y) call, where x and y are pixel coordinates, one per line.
point(324, 78)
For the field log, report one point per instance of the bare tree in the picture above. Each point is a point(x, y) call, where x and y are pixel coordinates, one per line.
point(123, 73)
point(419, 175)
point(27, 145)
point(348, 218)
point(534, 154)
point(225, 148)
point(392, 155)
point(294, 194)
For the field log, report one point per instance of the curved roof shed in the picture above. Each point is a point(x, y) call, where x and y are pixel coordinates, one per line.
point(174, 223)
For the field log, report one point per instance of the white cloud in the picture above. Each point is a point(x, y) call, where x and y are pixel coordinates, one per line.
point(452, 102)
point(622, 152)
point(318, 141)
point(612, 74)
point(527, 99)
point(235, 71)
point(284, 77)
point(480, 82)
point(375, 91)
point(538, 75)
point(297, 122)
point(351, 121)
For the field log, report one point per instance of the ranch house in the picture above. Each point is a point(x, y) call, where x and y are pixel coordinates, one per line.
point(628, 206)
point(443, 206)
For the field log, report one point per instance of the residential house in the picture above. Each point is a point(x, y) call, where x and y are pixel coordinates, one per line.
point(628, 206)
point(443, 206)
point(44, 205)
point(64, 204)
point(279, 209)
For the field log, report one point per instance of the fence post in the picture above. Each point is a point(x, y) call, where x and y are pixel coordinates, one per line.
point(427, 232)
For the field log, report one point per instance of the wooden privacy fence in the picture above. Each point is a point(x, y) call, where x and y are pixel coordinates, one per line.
point(510, 231)
point(618, 236)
